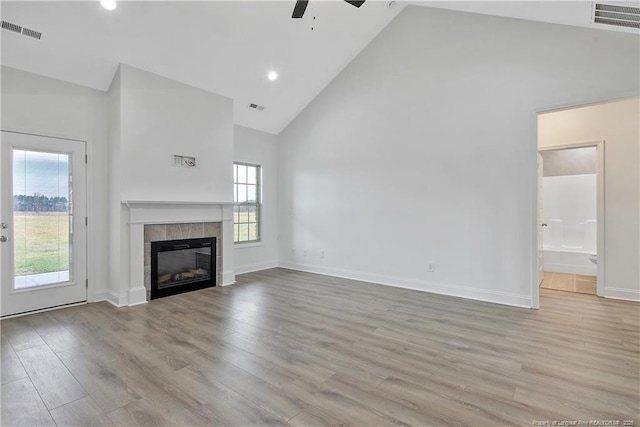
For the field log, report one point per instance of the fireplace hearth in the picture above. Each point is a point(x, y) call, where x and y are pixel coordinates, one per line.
point(185, 265)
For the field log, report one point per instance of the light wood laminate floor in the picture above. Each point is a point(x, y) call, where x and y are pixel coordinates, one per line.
point(290, 348)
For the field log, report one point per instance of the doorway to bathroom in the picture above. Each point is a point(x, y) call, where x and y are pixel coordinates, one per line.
point(570, 212)
point(612, 126)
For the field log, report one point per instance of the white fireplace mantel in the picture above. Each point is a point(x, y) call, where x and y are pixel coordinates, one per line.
point(170, 212)
point(142, 203)
point(167, 212)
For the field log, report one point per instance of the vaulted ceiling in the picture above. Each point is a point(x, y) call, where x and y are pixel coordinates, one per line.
point(226, 47)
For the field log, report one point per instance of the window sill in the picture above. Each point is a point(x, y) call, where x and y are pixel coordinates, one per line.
point(242, 245)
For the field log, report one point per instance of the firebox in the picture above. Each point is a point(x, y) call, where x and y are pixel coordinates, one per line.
point(179, 266)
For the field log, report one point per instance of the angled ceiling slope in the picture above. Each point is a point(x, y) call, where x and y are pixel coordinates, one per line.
point(226, 47)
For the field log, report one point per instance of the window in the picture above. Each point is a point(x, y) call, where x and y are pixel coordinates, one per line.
point(247, 194)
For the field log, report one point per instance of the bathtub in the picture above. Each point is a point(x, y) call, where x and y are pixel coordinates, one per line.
point(561, 260)
point(568, 246)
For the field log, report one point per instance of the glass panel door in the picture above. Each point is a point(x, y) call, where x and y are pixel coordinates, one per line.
point(41, 218)
point(43, 231)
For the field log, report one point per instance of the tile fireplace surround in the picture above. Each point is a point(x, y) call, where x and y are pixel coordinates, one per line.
point(151, 221)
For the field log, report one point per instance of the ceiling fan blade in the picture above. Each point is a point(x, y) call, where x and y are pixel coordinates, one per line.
point(356, 3)
point(299, 8)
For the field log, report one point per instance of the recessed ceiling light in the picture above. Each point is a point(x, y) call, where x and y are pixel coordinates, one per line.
point(272, 75)
point(109, 4)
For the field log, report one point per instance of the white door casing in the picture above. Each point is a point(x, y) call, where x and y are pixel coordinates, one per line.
point(541, 225)
point(58, 287)
point(600, 152)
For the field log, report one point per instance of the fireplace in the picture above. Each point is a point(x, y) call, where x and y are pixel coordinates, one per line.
point(184, 265)
point(156, 221)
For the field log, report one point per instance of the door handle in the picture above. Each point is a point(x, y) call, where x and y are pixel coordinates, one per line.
point(544, 224)
point(3, 239)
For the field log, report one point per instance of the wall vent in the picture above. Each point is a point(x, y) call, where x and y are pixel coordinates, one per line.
point(618, 15)
point(31, 33)
point(20, 30)
point(11, 27)
point(256, 107)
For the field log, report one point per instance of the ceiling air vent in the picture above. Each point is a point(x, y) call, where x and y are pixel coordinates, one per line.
point(256, 107)
point(618, 15)
point(20, 30)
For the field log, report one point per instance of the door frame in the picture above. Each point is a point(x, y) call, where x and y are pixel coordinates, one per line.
point(89, 289)
point(94, 291)
point(533, 183)
point(600, 198)
point(540, 205)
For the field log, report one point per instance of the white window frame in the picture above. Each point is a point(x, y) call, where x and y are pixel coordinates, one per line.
point(257, 204)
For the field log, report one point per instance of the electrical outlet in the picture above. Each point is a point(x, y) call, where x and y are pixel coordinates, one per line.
point(293, 251)
point(304, 254)
point(431, 267)
point(321, 254)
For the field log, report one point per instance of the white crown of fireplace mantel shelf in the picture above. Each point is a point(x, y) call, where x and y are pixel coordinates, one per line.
point(142, 203)
point(168, 212)
point(147, 212)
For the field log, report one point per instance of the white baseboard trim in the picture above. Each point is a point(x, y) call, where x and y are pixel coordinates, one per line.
point(119, 300)
point(100, 295)
point(622, 294)
point(227, 278)
point(137, 296)
point(250, 268)
point(419, 285)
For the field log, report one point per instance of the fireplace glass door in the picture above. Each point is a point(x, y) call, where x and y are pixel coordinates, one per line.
point(182, 265)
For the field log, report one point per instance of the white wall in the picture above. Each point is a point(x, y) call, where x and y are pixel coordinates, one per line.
point(118, 227)
point(151, 119)
point(252, 146)
point(161, 117)
point(423, 150)
point(618, 124)
point(45, 106)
